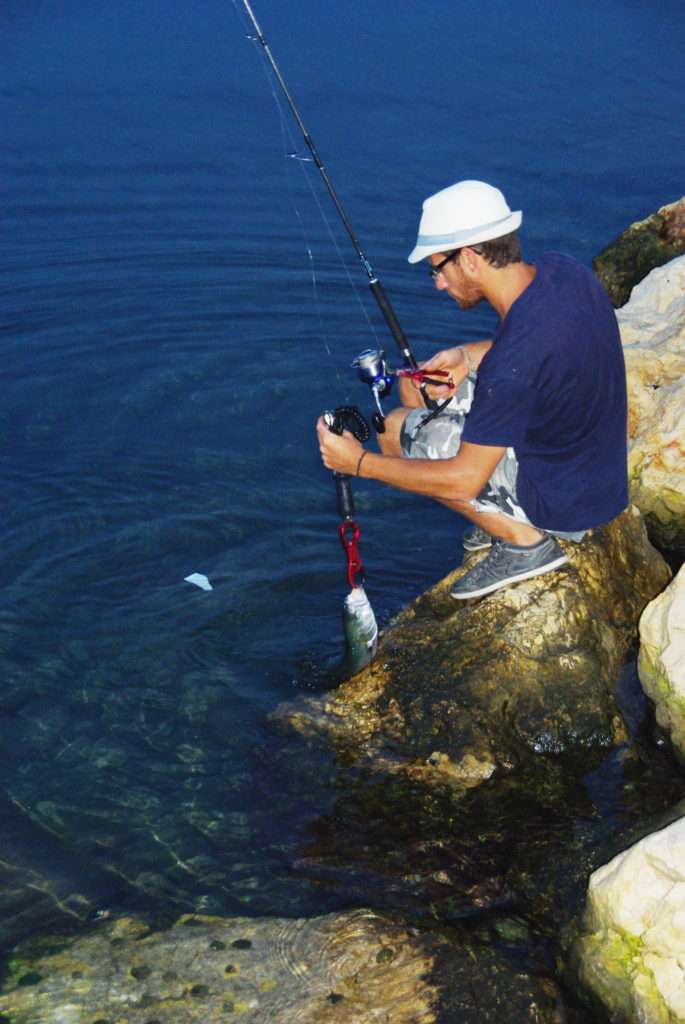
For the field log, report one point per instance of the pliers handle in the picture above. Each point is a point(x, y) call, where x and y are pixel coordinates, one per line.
point(427, 376)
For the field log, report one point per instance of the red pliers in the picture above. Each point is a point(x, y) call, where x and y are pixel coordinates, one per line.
point(423, 377)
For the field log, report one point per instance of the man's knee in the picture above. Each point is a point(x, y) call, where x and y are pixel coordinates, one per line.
point(389, 442)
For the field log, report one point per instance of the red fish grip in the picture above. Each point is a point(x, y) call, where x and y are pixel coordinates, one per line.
point(349, 537)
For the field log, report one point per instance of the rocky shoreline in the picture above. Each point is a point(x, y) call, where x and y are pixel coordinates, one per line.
point(486, 720)
point(464, 695)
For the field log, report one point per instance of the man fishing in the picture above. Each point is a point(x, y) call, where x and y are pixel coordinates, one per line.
point(529, 438)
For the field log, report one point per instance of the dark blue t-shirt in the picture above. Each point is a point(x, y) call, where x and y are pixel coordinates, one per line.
point(553, 388)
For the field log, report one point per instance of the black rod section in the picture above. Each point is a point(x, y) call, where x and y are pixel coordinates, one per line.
point(375, 285)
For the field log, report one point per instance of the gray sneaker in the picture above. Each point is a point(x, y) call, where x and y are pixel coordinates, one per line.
point(475, 539)
point(508, 563)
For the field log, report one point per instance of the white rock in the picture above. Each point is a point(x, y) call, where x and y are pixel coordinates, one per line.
point(652, 328)
point(662, 629)
point(659, 863)
point(666, 937)
point(668, 974)
point(658, 298)
point(633, 952)
point(661, 663)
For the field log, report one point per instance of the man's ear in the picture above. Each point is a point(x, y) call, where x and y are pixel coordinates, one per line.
point(469, 261)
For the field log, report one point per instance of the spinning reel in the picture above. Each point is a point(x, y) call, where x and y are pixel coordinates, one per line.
point(373, 370)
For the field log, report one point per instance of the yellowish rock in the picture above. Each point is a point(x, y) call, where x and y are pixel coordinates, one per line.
point(458, 691)
point(357, 966)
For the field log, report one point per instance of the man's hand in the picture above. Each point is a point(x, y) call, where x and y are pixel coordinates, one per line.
point(451, 360)
point(339, 452)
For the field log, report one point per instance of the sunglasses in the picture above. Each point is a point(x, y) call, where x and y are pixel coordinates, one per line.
point(438, 268)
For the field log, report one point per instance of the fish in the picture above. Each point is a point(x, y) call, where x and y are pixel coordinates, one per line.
point(360, 631)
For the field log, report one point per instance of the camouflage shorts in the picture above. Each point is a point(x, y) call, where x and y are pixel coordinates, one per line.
point(424, 436)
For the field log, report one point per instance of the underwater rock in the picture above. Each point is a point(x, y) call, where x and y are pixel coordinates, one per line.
point(644, 245)
point(146, 792)
point(653, 335)
point(661, 662)
point(457, 691)
point(42, 883)
point(631, 954)
point(358, 966)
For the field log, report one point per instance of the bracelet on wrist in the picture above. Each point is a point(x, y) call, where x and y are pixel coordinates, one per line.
point(361, 459)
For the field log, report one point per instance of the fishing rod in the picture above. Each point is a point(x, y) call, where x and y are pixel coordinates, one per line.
point(370, 364)
point(360, 627)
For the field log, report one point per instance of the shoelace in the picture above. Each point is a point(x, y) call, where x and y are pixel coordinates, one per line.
point(496, 551)
point(491, 560)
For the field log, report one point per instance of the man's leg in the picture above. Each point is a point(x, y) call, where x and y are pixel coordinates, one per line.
point(521, 550)
point(497, 524)
point(411, 434)
point(390, 442)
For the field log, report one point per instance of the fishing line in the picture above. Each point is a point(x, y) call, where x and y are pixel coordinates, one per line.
point(288, 144)
point(377, 289)
point(291, 152)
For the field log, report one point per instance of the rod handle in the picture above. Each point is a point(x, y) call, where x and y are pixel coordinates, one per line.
point(343, 490)
point(399, 336)
point(393, 323)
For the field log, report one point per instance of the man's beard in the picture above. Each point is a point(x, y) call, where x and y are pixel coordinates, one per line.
point(470, 298)
point(468, 294)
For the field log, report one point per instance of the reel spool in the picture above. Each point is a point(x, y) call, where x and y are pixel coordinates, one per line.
point(372, 369)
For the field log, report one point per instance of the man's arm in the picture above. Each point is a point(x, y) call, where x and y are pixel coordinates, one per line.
point(460, 478)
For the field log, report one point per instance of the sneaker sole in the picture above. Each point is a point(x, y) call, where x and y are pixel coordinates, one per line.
point(540, 571)
point(477, 547)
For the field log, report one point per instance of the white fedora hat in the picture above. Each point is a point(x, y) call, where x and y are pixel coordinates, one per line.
point(463, 214)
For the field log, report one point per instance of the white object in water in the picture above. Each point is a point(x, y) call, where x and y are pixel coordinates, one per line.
point(199, 580)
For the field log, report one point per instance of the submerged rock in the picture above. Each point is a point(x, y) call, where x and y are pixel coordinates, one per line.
point(661, 663)
point(42, 883)
point(458, 691)
point(644, 245)
point(631, 954)
point(359, 967)
point(653, 335)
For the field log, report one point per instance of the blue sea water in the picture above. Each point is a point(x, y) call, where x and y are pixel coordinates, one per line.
point(179, 304)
